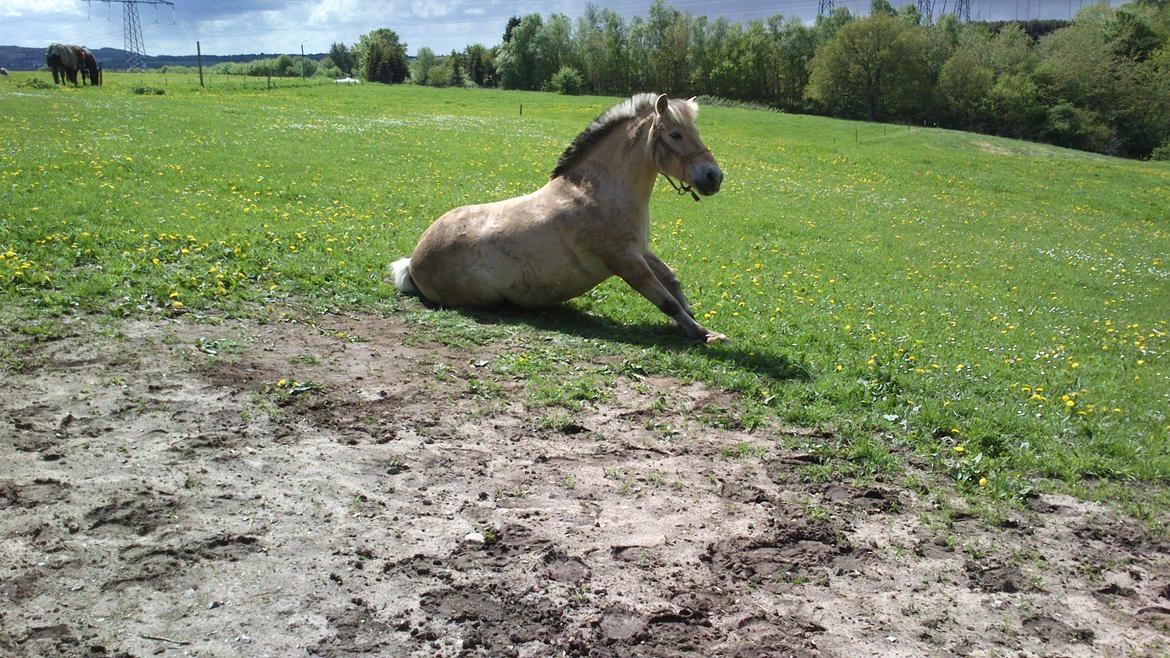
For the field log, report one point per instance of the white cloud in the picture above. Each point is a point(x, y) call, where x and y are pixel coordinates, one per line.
point(21, 8)
point(423, 9)
point(328, 12)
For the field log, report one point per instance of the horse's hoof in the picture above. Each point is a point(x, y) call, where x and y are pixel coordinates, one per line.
point(713, 337)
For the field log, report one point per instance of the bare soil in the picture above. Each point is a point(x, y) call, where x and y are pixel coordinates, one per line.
point(162, 494)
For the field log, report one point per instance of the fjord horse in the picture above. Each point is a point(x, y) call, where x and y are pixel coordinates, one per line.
point(589, 222)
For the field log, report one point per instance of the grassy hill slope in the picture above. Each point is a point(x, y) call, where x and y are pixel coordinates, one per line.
point(999, 309)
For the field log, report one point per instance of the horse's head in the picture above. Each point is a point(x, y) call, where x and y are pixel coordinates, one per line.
point(677, 149)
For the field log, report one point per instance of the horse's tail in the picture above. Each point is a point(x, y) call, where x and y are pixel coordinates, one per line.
point(400, 271)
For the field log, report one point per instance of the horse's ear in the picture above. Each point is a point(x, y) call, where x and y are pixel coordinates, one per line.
point(661, 105)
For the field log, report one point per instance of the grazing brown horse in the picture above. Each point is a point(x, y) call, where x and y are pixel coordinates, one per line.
point(589, 222)
point(65, 61)
point(87, 64)
point(62, 60)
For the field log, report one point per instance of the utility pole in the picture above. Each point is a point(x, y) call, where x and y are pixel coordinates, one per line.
point(302, 61)
point(824, 7)
point(132, 28)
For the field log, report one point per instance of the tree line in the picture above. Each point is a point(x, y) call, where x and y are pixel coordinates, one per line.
point(281, 66)
point(1100, 82)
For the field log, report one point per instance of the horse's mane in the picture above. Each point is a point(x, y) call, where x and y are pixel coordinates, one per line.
point(634, 106)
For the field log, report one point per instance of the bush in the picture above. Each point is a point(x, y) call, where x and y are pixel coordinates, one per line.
point(1162, 152)
point(1074, 127)
point(329, 72)
point(36, 83)
point(439, 75)
point(148, 91)
point(566, 81)
point(1015, 106)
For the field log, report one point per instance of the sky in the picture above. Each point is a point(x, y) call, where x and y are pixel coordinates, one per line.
point(229, 27)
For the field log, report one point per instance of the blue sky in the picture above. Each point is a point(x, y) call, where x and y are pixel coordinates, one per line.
point(226, 27)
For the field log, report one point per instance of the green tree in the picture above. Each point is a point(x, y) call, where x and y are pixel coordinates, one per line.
point(795, 45)
point(1131, 35)
point(440, 74)
point(882, 8)
point(1010, 51)
point(285, 67)
point(616, 62)
point(1074, 127)
point(873, 67)
point(1015, 105)
point(420, 68)
point(476, 56)
point(342, 57)
point(827, 27)
point(963, 85)
point(552, 48)
point(381, 57)
point(513, 23)
point(517, 60)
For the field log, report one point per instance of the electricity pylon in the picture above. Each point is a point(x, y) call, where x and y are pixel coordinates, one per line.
point(963, 10)
point(132, 28)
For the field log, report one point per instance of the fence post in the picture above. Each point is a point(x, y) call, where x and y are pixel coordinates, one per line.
point(199, 58)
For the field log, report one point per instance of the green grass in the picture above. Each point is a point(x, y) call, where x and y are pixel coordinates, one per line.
point(997, 309)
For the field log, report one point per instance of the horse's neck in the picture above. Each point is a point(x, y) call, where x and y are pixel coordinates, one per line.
point(621, 165)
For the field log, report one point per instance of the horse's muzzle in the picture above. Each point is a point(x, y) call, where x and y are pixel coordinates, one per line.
point(706, 178)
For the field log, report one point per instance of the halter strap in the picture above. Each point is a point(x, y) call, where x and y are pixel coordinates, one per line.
point(683, 188)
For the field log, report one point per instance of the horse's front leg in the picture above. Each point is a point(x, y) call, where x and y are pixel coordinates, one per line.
point(636, 271)
point(669, 279)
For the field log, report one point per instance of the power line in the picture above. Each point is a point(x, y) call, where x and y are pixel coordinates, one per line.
point(132, 28)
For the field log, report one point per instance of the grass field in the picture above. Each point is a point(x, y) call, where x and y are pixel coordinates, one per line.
point(996, 309)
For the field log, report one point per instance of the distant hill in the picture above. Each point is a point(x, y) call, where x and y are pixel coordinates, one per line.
point(20, 58)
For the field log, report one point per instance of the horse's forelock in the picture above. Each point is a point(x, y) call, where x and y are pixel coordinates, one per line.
point(684, 111)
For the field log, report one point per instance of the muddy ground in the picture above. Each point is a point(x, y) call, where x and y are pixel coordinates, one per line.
point(161, 493)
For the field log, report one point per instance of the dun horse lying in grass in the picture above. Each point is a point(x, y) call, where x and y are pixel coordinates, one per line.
point(589, 222)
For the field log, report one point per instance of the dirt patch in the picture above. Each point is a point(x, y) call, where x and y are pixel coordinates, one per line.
point(352, 487)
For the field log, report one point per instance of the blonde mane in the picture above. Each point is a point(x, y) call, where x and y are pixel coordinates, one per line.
point(680, 111)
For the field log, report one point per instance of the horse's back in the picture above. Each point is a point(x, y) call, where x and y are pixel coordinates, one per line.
point(525, 251)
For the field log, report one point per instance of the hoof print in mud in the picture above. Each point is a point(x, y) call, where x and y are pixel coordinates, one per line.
point(621, 624)
point(997, 577)
point(790, 554)
point(142, 512)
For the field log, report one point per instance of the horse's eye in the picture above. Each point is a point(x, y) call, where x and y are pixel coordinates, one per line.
point(674, 134)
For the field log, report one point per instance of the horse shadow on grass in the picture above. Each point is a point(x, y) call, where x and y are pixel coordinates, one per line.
point(665, 337)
